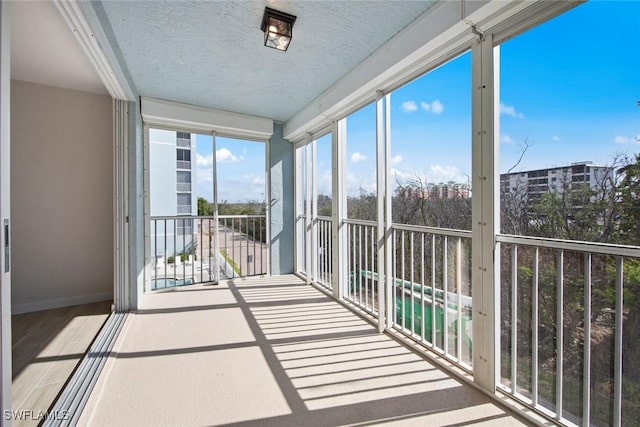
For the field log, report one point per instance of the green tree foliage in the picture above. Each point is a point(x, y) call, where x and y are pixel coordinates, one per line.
point(204, 207)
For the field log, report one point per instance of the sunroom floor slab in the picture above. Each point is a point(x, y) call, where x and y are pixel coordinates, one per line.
point(271, 351)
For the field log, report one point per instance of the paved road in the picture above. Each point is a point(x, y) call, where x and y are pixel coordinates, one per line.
point(249, 255)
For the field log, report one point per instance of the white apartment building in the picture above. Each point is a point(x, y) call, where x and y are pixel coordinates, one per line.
point(172, 174)
point(535, 183)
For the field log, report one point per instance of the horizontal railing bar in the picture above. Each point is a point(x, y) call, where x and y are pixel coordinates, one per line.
point(181, 217)
point(433, 230)
point(324, 218)
point(571, 245)
point(360, 222)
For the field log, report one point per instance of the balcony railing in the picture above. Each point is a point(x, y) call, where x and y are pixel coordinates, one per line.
point(197, 249)
point(324, 254)
point(183, 186)
point(553, 294)
point(362, 265)
point(183, 164)
point(432, 289)
point(183, 142)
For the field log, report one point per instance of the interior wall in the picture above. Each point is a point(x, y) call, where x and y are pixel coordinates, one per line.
point(62, 197)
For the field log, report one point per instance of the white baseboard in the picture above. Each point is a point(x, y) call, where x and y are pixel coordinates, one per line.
point(60, 302)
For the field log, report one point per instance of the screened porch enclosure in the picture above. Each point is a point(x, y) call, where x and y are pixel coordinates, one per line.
point(434, 243)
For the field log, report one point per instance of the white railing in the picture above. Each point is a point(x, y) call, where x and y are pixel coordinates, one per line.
point(301, 243)
point(183, 186)
point(183, 164)
point(431, 295)
point(183, 143)
point(323, 255)
point(195, 249)
point(361, 287)
point(555, 293)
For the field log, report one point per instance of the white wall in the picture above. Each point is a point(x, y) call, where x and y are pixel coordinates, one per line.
point(61, 195)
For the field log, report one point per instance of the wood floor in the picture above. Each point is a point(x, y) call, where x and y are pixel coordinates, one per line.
point(47, 346)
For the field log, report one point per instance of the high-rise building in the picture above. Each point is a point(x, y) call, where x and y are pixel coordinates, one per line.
point(172, 174)
point(535, 183)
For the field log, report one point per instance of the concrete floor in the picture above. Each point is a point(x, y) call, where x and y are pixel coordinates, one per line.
point(271, 351)
point(47, 346)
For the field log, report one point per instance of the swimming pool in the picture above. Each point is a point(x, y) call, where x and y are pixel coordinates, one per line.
point(169, 282)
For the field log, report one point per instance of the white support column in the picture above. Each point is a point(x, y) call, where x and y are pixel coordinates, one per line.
point(5, 214)
point(267, 207)
point(299, 208)
point(147, 210)
point(485, 214)
point(382, 186)
point(216, 223)
point(388, 220)
point(314, 209)
point(308, 218)
point(339, 206)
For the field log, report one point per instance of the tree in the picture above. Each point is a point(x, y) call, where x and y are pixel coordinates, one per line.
point(204, 207)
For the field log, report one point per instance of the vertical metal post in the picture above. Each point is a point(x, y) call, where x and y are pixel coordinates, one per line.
point(559, 332)
point(216, 225)
point(485, 212)
point(586, 387)
point(339, 206)
point(422, 285)
point(147, 211)
point(459, 292)
point(388, 223)
point(314, 209)
point(534, 330)
point(514, 319)
point(617, 363)
point(297, 167)
point(267, 211)
point(309, 250)
point(382, 189)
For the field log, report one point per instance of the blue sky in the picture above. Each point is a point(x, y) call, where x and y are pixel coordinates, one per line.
point(570, 87)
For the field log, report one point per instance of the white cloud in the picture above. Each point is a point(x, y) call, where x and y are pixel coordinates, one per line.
point(444, 173)
point(510, 110)
point(395, 160)
point(435, 174)
point(358, 157)
point(223, 155)
point(204, 162)
point(356, 183)
point(621, 139)
point(436, 107)
point(555, 138)
point(506, 139)
point(409, 106)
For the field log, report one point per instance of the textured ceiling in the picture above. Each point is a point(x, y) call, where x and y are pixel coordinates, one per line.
point(211, 53)
point(43, 49)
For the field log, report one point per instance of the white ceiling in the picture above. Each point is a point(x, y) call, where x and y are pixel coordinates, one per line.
point(44, 50)
point(211, 53)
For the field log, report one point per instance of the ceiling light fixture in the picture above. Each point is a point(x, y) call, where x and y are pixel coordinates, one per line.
point(278, 28)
